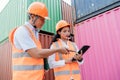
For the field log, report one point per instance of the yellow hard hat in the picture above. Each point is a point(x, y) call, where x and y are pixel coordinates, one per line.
point(61, 24)
point(38, 8)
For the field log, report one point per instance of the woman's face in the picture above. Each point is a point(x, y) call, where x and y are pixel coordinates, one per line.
point(64, 33)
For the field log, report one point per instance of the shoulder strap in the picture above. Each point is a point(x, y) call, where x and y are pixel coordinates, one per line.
point(58, 55)
point(11, 35)
point(11, 39)
point(37, 42)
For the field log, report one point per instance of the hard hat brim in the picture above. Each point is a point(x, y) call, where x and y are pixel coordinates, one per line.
point(47, 18)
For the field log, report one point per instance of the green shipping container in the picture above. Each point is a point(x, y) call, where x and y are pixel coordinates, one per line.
point(14, 14)
point(54, 8)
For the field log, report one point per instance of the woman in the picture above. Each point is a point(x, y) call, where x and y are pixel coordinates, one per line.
point(66, 67)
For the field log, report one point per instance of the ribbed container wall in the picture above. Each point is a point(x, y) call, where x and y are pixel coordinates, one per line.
point(102, 33)
point(85, 7)
point(5, 61)
point(12, 16)
point(67, 13)
point(45, 42)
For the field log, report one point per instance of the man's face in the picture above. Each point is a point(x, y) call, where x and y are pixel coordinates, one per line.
point(39, 22)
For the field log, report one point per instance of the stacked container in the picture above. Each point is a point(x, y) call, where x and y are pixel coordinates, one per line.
point(5, 61)
point(99, 28)
point(13, 16)
point(67, 13)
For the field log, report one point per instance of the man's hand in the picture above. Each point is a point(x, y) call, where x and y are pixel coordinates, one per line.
point(63, 50)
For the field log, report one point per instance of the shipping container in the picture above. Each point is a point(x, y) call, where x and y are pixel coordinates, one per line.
point(67, 13)
point(102, 33)
point(89, 8)
point(45, 39)
point(6, 57)
point(12, 16)
point(5, 61)
point(54, 8)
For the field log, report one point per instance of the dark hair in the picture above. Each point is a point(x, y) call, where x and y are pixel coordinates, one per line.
point(29, 16)
point(71, 37)
point(56, 37)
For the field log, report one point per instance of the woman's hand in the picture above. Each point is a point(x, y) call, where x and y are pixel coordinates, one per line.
point(78, 56)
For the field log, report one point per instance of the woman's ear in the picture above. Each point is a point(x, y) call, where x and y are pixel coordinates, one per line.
point(59, 32)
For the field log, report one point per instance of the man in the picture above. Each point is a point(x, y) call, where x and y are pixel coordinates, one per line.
point(27, 52)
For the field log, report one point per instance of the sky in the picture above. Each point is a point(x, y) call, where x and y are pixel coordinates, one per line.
point(67, 1)
point(3, 3)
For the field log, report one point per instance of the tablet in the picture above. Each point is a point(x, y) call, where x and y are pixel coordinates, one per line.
point(84, 49)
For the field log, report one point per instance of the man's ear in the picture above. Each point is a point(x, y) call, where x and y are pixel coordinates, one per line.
point(32, 17)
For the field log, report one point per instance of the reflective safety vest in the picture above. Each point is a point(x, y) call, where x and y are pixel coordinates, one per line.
point(26, 67)
point(69, 70)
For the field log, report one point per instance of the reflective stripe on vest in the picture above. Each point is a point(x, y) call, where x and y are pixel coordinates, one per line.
point(66, 72)
point(27, 67)
point(19, 55)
